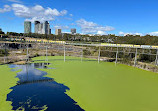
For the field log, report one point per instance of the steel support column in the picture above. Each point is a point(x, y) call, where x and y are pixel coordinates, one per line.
point(64, 52)
point(116, 56)
point(156, 61)
point(99, 56)
point(46, 53)
point(27, 59)
point(82, 55)
point(135, 60)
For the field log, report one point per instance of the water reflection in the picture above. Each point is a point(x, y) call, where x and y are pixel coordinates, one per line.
point(29, 72)
point(35, 92)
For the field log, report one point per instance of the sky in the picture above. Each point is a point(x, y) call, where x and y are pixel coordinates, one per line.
point(120, 17)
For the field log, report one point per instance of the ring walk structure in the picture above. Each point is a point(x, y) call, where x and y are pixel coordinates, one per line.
point(64, 44)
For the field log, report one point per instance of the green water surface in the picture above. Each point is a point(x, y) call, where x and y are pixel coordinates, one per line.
point(104, 86)
point(7, 80)
point(95, 87)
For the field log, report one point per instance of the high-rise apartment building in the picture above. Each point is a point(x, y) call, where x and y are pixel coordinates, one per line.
point(45, 28)
point(58, 32)
point(42, 28)
point(73, 31)
point(50, 31)
point(27, 27)
point(37, 26)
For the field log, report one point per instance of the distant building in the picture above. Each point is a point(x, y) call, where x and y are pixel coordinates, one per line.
point(46, 28)
point(50, 31)
point(58, 32)
point(27, 27)
point(42, 28)
point(73, 31)
point(37, 25)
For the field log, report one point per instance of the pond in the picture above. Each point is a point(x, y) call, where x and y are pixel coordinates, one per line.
point(35, 92)
point(76, 86)
point(105, 86)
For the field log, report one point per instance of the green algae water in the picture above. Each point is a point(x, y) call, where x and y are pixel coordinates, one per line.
point(7, 80)
point(95, 87)
point(104, 86)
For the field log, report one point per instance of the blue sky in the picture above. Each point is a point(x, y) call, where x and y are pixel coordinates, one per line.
point(87, 16)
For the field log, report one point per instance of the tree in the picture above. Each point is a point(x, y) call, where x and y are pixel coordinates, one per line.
point(1, 32)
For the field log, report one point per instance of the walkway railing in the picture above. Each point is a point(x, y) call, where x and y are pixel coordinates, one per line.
point(63, 46)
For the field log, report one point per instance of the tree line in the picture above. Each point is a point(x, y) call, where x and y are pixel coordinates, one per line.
point(128, 39)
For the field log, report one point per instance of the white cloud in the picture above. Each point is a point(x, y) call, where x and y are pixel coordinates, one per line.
point(139, 34)
point(101, 33)
point(6, 8)
point(153, 33)
point(61, 27)
point(15, 1)
point(121, 33)
point(63, 12)
point(91, 27)
point(21, 10)
point(36, 12)
point(53, 12)
point(71, 15)
point(38, 8)
point(72, 24)
point(129, 33)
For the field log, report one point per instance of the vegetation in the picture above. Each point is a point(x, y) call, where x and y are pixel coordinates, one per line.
point(125, 55)
point(3, 52)
point(128, 39)
point(1, 32)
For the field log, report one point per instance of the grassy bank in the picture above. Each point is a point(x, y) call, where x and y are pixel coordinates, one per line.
point(104, 86)
point(7, 80)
